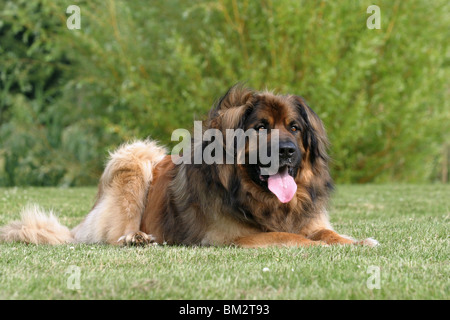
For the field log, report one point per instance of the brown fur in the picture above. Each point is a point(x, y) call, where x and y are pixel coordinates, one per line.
point(221, 204)
point(145, 197)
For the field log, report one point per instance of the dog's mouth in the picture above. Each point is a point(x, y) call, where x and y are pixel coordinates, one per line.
point(281, 169)
point(281, 184)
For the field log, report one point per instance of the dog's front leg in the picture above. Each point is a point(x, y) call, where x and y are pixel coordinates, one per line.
point(277, 239)
point(332, 237)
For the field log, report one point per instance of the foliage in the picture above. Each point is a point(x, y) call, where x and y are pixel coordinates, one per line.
point(138, 69)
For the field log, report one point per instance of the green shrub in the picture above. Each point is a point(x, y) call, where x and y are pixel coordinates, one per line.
point(138, 69)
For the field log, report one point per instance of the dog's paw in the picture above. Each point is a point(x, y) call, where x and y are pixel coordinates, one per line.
point(136, 238)
point(369, 242)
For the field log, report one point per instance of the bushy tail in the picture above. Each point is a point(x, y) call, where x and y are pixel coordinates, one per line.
point(36, 226)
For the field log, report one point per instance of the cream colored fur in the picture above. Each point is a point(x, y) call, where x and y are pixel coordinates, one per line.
point(120, 203)
point(36, 226)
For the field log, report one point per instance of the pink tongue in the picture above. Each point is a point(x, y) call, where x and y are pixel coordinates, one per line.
point(282, 185)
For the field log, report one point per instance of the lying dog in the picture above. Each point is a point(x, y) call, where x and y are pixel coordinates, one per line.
point(145, 196)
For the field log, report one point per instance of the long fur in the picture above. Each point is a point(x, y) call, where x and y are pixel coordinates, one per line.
point(117, 211)
point(143, 196)
point(122, 191)
point(36, 226)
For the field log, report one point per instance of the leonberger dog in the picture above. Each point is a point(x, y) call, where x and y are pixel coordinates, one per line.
point(145, 197)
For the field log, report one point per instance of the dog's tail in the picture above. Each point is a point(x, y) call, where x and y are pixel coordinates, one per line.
point(120, 200)
point(36, 226)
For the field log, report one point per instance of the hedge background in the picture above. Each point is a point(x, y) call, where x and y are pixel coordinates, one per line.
point(144, 68)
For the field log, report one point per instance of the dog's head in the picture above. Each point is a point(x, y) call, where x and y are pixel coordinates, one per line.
point(292, 135)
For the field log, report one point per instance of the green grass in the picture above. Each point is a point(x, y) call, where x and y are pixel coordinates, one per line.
point(411, 222)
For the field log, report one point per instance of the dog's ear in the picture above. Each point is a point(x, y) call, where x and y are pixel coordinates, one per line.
point(231, 110)
point(315, 137)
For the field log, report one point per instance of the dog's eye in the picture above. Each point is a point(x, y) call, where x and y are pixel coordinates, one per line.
point(260, 127)
point(294, 128)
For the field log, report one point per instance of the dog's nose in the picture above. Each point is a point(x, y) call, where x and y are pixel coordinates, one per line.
point(287, 149)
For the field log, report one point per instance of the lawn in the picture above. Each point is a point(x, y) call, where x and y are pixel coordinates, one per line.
point(411, 222)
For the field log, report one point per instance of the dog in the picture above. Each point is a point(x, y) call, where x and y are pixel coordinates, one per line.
point(145, 196)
